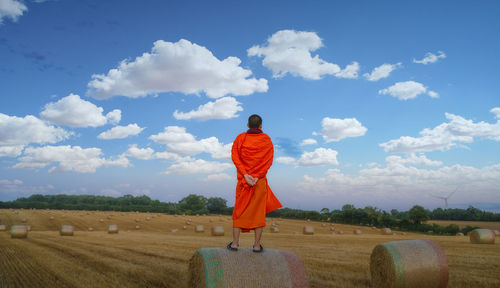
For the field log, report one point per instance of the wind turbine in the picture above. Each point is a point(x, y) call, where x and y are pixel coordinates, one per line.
point(445, 198)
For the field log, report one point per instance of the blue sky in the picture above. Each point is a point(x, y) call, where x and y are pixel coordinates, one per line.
point(369, 103)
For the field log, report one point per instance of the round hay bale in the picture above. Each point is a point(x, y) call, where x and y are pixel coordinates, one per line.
point(3, 227)
point(410, 263)
point(460, 234)
point(109, 217)
point(113, 229)
point(308, 230)
point(91, 229)
point(332, 228)
point(18, 231)
point(217, 230)
point(174, 230)
point(148, 218)
point(67, 230)
point(497, 233)
point(323, 225)
point(184, 227)
point(101, 220)
point(210, 220)
point(340, 232)
point(386, 231)
point(24, 220)
point(137, 227)
point(357, 232)
point(51, 218)
point(137, 220)
point(28, 227)
point(218, 267)
point(188, 222)
point(275, 230)
point(199, 229)
point(482, 236)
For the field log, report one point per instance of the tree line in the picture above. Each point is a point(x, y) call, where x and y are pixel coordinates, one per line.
point(411, 220)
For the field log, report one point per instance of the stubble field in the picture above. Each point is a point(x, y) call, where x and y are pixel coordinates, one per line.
point(154, 256)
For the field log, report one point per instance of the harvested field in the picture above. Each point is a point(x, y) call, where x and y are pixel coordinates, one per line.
point(462, 224)
point(155, 257)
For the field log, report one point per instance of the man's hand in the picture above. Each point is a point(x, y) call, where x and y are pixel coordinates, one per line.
point(250, 180)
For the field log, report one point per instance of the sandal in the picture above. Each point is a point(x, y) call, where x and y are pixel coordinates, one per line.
point(229, 247)
point(258, 251)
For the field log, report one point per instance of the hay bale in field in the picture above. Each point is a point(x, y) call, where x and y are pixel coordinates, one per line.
point(188, 222)
point(210, 220)
point(28, 227)
point(410, 263)
point(113, 229)
point(18, 231)
point(101, 220)
point(403, 233)
point(323, 225)
point(357, 232)
point(67, 230)
point(332, 228)
point(137, 220)
point(137, 227)
point(497, 233)
point(482, 236)
point(386, 231)
point(3, 227)
point(218, 267)
point(91, 229)
point(275, 230)
point(148, 218)
point(184, 227)
point(460, 234)
point(174, 230)
point(199, 229)
point(217, 230)
point(340, 232)
point(308, 230)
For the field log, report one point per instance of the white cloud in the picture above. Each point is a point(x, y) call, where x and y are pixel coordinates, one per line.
point(217, 177)
point(11, 9)
point(445, 135)
point(120, 132)
point(140, 153)
point(496, 111)
point(75, 112)
point(382, 71)
point(397, 184)
point(223, 108)
point(176, 67)
point(10, 182)
point(430, 58)
point(407, 90)
point(68, 158)
point(197, 166)
point(334, 129)
point(286, 160)
point(170, 156)
point(320, 156)
point(412, 159)
point(17, 132)
point(289, 51)
point(179, 141)
point(308, 141)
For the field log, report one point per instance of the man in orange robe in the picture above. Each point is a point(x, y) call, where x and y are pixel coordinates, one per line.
point(252, 154)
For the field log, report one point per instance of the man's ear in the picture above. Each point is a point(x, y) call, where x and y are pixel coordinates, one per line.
point(260, 126)
point(248, 126)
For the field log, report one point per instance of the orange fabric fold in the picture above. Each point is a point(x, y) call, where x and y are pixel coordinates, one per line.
point(253, 154)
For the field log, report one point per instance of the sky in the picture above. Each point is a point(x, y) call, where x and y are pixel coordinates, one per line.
point(371, 103)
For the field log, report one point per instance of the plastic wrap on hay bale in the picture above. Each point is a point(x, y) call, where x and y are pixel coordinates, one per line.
point(3, 227)
point(275, 230)
point(218, 267)
point(199, 229)
point(218, 231)
point(410, 263)
point(357, 231)
point(18, 231)
point(113, 229)
point(67, 230)
point(482, 236)
point(308, 230)
point(386, 231)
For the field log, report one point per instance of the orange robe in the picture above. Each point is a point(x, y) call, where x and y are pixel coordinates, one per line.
point(253, 154)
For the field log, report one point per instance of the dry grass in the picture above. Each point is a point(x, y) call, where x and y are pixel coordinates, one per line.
point(155, 257)
point(462, 224)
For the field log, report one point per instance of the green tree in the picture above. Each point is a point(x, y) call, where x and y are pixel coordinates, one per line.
point(418, 214)
point(195, 204)
point(216, 205)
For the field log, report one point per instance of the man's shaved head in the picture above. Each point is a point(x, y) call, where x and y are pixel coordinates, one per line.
point(254, 121)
